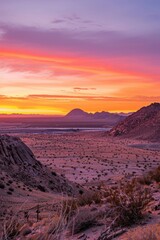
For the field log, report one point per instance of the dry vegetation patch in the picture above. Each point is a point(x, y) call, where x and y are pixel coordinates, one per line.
point(115, 207)
point(150, 177)
point(128, 201)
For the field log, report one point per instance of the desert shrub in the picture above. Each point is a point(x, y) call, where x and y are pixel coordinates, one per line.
point(11, 189)
point(54, 173)
point(145, 179)
point(151, 232)
point(89, 198)
point(153, 175)
point(9, 193)
point(2, 186)
point(128, 201)
point(83, 220)
point(41, 188)
point(10, 181)
point(81, 191)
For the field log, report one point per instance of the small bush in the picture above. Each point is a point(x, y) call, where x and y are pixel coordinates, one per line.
point(83, 220)
point(41, 188)
point(90, 198)
point(128, 201)
point(54, 173)
point(11, 189)
point(145, 179)
point(151, 176)
point(2, 186)
point(81, 192)
point(155, 174)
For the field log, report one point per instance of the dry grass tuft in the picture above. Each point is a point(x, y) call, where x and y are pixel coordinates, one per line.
point(69, 207)
point(11, 229)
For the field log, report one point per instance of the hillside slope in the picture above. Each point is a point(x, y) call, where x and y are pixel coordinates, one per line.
point(18, 163)
point(143, 124)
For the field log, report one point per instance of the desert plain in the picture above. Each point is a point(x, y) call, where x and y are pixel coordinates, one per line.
point(89, 158)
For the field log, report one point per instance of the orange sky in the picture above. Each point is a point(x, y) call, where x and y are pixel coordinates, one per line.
point(94, 55)
point(36, 83)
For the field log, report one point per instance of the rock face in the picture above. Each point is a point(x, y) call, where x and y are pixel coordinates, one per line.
point(18, 161)
point(14, 152)
point(143, 124)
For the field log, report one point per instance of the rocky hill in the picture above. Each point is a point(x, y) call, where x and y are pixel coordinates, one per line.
point(143, 124)
point(18, 164)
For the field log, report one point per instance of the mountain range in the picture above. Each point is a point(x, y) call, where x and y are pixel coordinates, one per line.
point(106, 117)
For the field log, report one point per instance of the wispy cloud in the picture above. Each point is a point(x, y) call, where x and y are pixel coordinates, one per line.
point(87, 97)
point(83, 89)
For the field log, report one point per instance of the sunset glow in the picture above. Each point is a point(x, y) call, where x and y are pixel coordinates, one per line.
point(54, 61)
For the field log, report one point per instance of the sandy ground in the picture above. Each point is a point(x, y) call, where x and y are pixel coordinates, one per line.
point(90, 158)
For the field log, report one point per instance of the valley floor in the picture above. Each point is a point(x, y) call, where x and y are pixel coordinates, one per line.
point(91, 158)
point(88, 158)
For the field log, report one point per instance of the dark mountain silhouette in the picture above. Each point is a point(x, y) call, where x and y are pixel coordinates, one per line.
point(106, 117)
point(78, 113)
point(19, 163)
point(143, 124)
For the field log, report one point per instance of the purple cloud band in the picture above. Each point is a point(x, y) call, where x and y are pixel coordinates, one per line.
point(99, 43)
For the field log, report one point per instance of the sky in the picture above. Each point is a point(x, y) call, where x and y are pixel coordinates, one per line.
point(97, 55)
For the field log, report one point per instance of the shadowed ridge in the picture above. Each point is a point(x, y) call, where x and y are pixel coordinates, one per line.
point(143, 124)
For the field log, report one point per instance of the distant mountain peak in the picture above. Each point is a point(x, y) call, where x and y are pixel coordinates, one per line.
point(77, 112)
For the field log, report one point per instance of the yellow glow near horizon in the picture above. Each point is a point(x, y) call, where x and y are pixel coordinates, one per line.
point(37, 84)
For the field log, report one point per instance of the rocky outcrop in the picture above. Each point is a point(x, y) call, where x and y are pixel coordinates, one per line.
point(18, 161)
point(14, 151)
point(143, 124)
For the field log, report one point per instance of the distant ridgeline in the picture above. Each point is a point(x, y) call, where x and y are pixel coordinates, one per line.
point(80, 115)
